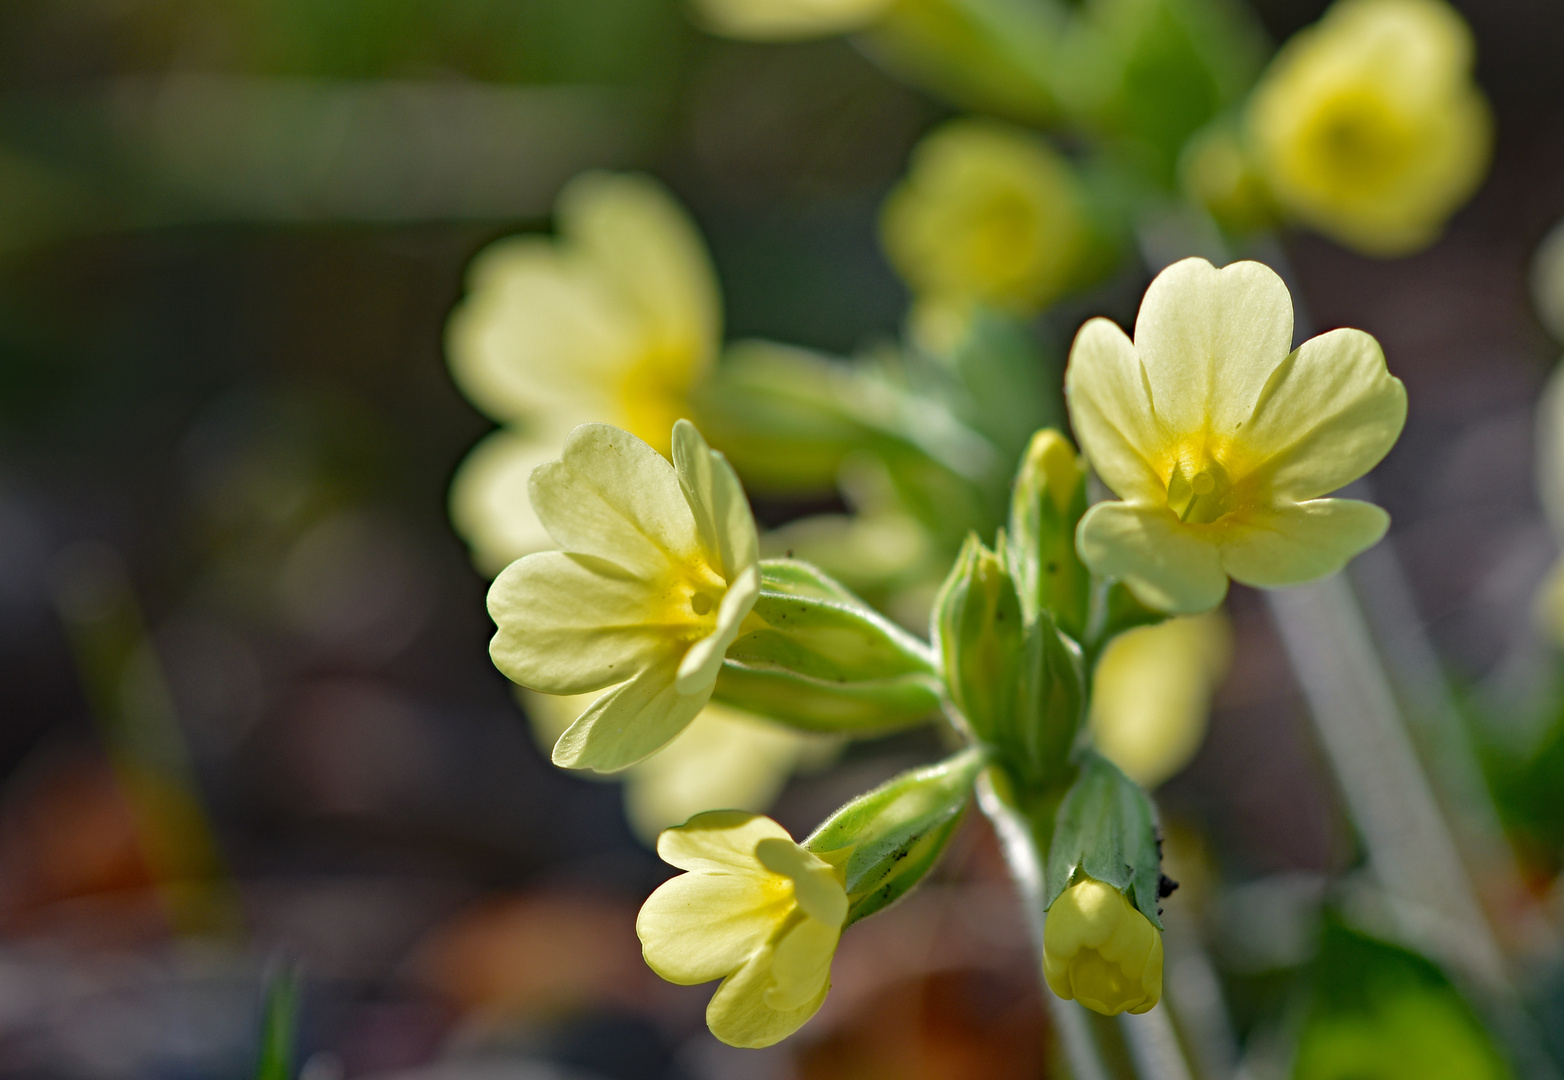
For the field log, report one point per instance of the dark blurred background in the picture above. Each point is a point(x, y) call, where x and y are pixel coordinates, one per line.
point(230, 234)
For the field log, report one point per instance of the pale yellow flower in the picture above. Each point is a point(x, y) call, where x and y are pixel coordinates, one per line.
point(1151, 694)
point(1100, 951)
point(988, 213)
point(658, 571)
point(1220, 441)
point(614, 320)
point(726, 759)
point(1547, 281)
point(1368, 125)
point(755, 910)
point(788, 20)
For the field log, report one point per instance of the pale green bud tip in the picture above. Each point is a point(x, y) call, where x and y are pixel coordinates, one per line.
point(1099, 950)
point(1052, 463)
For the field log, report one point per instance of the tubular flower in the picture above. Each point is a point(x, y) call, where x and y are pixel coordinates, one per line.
point(1100, 951)
point(1369, 127)
point(755, 910)
point(987, 213)
point(1220, 442)
point(614, 321)
point(658, 571)
point(788, 20)
point(1151, 694)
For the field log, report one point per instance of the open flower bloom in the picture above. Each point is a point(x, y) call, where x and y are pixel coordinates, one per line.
point(725, 758)
point(755, 910)
point(1369, 127)
point(788, 20)
point(1100, 951)
point(659, 569)
point(988, 213)
point(1151, 694)
point(614, 321)
point(1220, 441)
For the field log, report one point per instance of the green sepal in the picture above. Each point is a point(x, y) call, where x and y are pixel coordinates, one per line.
point(1046, 505)
point(1106, 828)
point(1016, 682)
point(888, 839)
point(799, 701)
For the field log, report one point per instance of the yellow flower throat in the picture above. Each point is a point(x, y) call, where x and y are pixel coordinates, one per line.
point(1201, 491)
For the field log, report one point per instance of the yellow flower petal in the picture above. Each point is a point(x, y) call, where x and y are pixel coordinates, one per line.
point(788, 20)
point(630, 722)
point(1209, 339)
point(801, 963)
point(613, 497)
point(1166, 566)
point(1100, 951)
point(739, 1015)
point(718, 841)
point(1111, 411)
point(717, 499)
point(819, 893)
point(1327, 415)
point(567, 627)
point(490, 506)
point(698, 670)
point(699, 927)
point(1293, 544)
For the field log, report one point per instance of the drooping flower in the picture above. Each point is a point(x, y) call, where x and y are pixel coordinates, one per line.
point(1220, 441)
point(1100, 951)
point(657, 572)
point(988, 213)
point(613, 321)
point(1369, 127)
point(788, 20)
point(1151, 694)
point(753, 909)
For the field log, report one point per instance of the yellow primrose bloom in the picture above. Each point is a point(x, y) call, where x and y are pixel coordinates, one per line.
point(1100, 951)
point(1151, 694)
point(988, 213)
point(755, 910)
point(726, 758)
point(788, 20)
point(614, 320)
point(1368, 125)
point(1220, 441)
point(658, 571)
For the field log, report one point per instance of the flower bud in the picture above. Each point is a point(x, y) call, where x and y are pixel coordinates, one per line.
point(1099, 950)
point(1046, 504)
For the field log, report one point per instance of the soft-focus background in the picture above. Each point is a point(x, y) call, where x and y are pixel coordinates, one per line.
point(240, 646)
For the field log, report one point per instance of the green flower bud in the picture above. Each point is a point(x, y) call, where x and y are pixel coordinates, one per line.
point(1046, 504)
point(1016, 681)
point(813, 655)
point(885, 841)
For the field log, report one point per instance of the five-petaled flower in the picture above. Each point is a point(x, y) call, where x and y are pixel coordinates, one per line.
point(755, 910)
point(1100, 951)
point(1220, 441)
point(658, 571)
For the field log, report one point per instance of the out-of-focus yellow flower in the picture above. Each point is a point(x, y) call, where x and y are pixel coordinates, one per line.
point(1368, 125)
point(1547, 281)
point(1221, 442)
point(658, 572)
point(1549, 609)
point(1100, 951)
point(726, 758)
point(1151, 696)
point(788, 20)
point(614, 321)
point(987, 213)
point(755, 910)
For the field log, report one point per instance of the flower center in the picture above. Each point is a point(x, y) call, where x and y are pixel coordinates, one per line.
point(1200, 492)
point(701, 603)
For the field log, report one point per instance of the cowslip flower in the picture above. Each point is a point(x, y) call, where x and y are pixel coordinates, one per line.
point(1368, 125)
point(1151, 694)
point(987, 213)
point(614, 320)
point(658, 571)
point(1100, 951)
point(726, 757)
point(788, 20)
point(1220, 441)
point(753, 909)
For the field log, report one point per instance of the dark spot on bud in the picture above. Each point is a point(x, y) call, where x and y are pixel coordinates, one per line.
point(789, 553)
point(1053, 568)
point(1165, 888)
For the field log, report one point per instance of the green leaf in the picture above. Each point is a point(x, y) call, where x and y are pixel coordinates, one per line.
point(1106, 828)
point(887, 840)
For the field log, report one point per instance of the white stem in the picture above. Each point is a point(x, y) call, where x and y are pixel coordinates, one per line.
point(1154, 1045)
